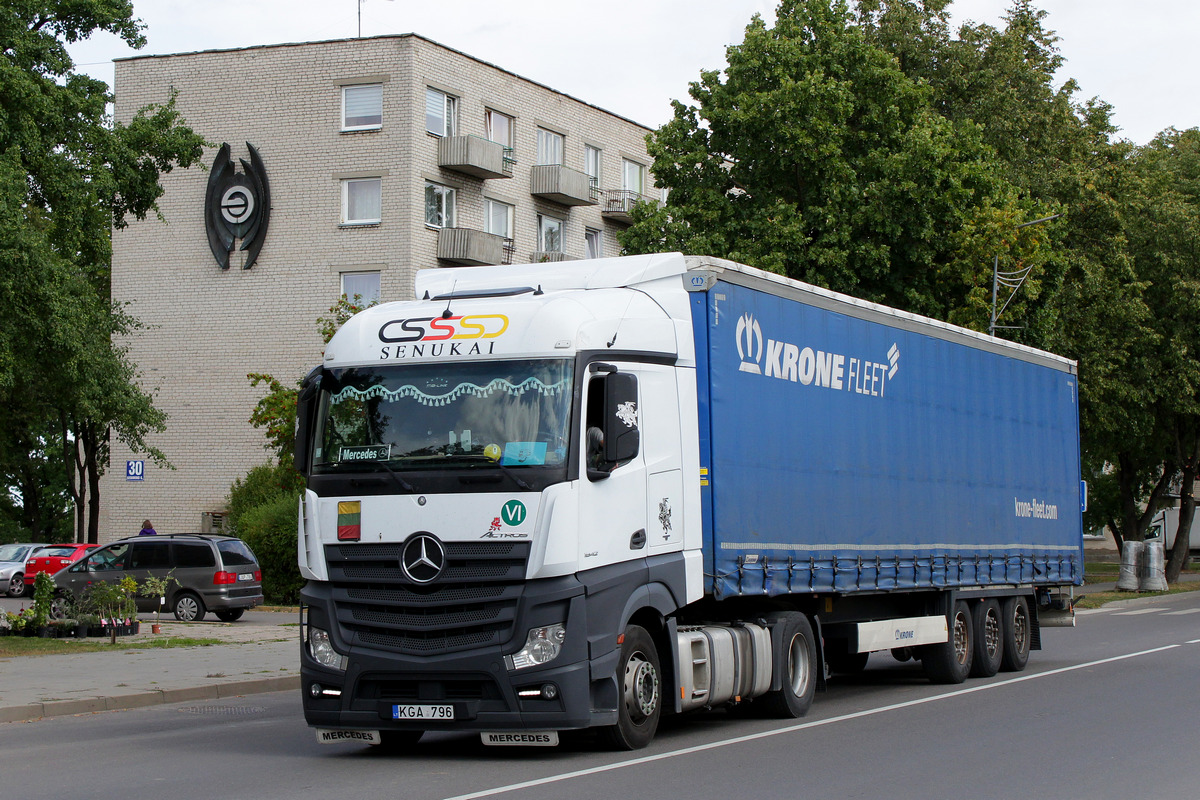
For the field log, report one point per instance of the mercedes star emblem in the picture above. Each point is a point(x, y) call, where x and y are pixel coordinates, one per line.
point(423, 558)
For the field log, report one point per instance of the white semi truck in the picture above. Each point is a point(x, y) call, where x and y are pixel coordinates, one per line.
point(552, 497)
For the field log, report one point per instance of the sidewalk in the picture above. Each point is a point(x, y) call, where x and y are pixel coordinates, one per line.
point(259, 653)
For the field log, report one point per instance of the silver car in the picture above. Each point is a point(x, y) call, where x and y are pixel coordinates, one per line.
point(12, 566)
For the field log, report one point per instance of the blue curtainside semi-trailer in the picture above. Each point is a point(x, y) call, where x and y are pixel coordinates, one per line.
point(560, 496)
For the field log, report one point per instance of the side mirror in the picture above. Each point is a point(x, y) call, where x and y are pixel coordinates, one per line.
point(305, 410)
point(622, 436)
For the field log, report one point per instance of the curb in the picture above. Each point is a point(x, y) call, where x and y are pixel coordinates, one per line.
point(213, 691)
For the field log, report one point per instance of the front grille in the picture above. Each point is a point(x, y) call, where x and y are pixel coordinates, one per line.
point(432, 689)
point(473, 603)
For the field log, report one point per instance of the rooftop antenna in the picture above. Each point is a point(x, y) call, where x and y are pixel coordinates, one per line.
point(360, 2)
point(449, 298)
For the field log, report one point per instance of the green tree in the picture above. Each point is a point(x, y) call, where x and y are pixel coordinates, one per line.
point(814, 155)
point(68, 175)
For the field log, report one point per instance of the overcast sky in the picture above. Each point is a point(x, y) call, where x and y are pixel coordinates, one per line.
point(632, 57)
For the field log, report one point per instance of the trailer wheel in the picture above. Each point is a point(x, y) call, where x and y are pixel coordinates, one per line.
point(795, 662)
point(989, 638)
point(1017, 631)
point(640, 704)
point(950, 661)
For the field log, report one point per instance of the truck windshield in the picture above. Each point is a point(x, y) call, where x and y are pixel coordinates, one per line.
point(444, 416)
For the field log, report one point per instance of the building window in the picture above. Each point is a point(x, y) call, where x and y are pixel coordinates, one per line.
point(362, 107)
point(498, 218)
point(361, 201)
point(439, 205)
point(361, 285)
point(633, 176)
point(499, 127)
point(594, 243)
point(550, 230)
point(441, 113)
point(591, 163)
point(549, 147)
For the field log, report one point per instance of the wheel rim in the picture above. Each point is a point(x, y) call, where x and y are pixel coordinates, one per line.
point(185, 609)
point(991, 632)
point(1020, 628)
point(16, 585)
point(798, 665)
point(641, 688)
point(961, 645)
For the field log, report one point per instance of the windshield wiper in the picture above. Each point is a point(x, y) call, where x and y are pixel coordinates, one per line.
point(403, 484)
point(482, 459)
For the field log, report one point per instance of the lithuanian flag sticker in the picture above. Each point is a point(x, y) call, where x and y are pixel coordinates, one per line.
point(349, 523)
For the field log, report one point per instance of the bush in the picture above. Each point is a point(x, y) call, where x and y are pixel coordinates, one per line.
point(262, 485)
point(270, 530)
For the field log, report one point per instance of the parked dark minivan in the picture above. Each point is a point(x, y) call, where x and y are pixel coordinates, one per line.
point(214, 573)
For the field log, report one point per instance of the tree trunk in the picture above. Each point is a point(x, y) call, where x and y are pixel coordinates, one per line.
point(71, 459)
point(1187, 510)
point(1135, 519)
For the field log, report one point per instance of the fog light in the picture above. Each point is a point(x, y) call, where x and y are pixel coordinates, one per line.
point(320, 647)
point(549, 691)
point(542, 646)
point(315, 690)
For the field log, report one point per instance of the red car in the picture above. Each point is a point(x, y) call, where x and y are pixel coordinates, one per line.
point(52, 558)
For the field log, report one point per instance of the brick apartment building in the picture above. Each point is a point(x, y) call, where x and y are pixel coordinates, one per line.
point(374, 158)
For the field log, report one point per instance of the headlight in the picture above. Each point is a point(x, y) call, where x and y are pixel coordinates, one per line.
point(321, 649)
point(542, 646)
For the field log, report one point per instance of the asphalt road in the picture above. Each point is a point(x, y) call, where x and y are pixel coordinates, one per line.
point(1106, 710)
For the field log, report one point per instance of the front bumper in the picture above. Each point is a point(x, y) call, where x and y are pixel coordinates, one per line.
point(476, 682)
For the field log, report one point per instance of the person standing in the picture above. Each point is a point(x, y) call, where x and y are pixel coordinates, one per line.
point(147, 529)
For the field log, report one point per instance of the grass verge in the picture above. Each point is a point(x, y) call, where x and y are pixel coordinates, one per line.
point(1098, 599)
point(11, 646)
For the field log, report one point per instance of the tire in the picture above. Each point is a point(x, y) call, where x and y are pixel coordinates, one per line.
point(395, 741)
point(60, 606)
point(794, 656)
point(230, 615)
point(16, 585)
point(989, 638)
point(1017, 631)
point(189, 607)
point(950, 661)
point(640, 704)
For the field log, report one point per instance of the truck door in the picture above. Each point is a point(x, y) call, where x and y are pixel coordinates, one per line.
point(612, 498)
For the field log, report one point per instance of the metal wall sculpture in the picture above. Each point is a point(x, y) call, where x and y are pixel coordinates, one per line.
point(237, 205)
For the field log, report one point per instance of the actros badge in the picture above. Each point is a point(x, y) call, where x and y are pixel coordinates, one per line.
point(237, 205)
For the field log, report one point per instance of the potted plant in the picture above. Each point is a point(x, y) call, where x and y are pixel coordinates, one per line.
point(157, 587)
point(87, 625)
point(43, 596)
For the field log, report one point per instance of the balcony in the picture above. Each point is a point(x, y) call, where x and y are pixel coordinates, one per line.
point(563, 185)
point(474, 155)
point(471, 248)
point(619, 202)
point(543, 256)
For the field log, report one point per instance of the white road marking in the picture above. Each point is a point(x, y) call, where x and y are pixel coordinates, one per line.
point(633, 762)
point(1138, 611)
point(1184, 611)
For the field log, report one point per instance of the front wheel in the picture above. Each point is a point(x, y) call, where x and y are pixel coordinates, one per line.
point(640, 705)
point(16, 585)
point(231, 615)
point(189, 607)
point(794, 664)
